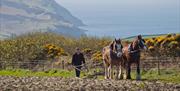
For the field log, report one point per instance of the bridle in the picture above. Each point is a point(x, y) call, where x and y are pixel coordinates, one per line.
point(140, 43)
point(118, 49)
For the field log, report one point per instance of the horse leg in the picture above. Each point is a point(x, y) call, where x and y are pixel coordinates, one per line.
point(117, 72)
point(124, 73)
point(120, 76)
point(138, 75)
point(129, 71)
point(110, 72)
point(105, 70)
point(124, 67)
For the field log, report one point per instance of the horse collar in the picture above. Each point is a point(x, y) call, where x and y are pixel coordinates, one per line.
point(131, 49)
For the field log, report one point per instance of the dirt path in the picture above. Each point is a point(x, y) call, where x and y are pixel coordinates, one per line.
point(8, 83)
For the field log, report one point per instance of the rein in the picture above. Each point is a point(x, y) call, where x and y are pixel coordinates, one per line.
point(134, 50)
point(83, 65)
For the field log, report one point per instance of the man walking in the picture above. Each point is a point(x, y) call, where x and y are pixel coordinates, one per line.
point(77, 61)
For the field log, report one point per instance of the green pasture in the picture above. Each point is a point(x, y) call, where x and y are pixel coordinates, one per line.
point(22, 72)
point(166, 75)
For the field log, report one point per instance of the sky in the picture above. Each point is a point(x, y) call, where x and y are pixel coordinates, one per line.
point(82, 8)
point(136, 16)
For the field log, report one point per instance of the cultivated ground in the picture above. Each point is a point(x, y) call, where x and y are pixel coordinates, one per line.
point(11, 83)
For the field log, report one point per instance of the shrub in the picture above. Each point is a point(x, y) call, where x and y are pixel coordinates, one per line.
point(97, 56)
point(87, 50)
point(45, 46)
point(151, 48)
point(177, 37)
point(173, 44)
point(52, 51)
point(165, 45)
point(150, 42)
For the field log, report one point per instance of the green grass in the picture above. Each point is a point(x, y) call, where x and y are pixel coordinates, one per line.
point(167, 75)
point(22, 72)
point(145, 36)
point(50, 73)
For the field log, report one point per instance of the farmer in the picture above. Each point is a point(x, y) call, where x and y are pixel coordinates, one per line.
point(77, 61)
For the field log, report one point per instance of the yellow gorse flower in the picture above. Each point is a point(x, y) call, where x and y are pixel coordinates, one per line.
point(53, 51)
point(97, 56)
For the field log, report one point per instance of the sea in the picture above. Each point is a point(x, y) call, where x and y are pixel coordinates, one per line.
point(120, 27)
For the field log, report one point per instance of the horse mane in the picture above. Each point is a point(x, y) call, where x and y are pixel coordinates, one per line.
point(135, 43)
point(111, 45)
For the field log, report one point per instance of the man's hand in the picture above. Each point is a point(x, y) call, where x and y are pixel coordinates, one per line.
point(84, 64)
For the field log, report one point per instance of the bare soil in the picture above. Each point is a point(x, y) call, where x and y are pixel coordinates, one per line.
point(11, 83)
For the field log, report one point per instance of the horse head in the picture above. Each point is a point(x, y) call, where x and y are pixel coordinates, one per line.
point(139, 43)
point(117, 47)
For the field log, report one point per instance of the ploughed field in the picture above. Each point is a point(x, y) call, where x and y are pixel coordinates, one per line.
point(8, 83)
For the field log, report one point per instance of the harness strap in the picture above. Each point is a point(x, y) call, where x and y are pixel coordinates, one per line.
point(130, 49)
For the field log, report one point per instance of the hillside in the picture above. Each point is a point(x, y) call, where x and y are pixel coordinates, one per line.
point(42, 61)
point(145, 36)
point(22, 16)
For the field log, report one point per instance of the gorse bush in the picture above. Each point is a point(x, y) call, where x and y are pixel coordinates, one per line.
point(97, 56)
point(87, 50)
point(52, 51)
point(168, 45)
point(45, 46)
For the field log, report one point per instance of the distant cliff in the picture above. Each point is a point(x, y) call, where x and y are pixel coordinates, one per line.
point(23, 16)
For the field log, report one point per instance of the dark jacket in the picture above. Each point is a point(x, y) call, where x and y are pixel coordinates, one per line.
point(78, 59)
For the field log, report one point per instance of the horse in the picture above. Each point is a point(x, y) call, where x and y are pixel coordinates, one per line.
point(112, 56)
point(131, 54)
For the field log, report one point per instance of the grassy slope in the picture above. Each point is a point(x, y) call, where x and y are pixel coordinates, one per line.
point(170, 75)
point(22, 72)
point(145, 36)
point(167, 75)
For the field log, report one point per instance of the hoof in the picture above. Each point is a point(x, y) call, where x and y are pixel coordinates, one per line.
point(106, 77)
point(117, 78)
point(121, 77)
point(128, 78)
point(138, 77)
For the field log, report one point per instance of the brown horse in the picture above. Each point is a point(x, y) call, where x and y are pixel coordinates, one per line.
point(132, 55)
point(112, 55)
